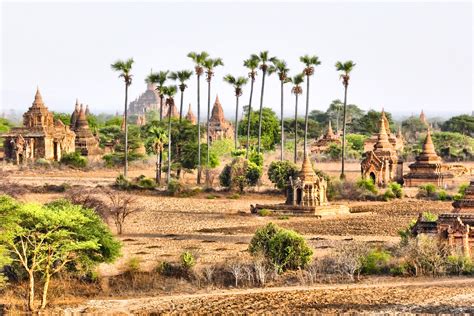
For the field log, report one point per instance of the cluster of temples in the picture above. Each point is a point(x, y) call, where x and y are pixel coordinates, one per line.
point(43, 137)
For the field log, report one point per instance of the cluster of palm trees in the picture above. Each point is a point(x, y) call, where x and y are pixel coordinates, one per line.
point(204, 64)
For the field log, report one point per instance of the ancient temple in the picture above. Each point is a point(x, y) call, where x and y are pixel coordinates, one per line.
point(190, 115)
point(382, 164)
point(86, 143)
point(456, 229)
point(305, 195)
point(395, 140)
point(147, 101)
point(324, 141)
point(423, 118)
point(219, 128)
point(428, 168)
point(41, 136)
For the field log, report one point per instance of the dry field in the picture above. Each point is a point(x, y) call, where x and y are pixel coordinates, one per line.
point(217, 229)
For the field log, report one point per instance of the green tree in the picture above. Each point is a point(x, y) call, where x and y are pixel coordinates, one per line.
point(240, 173)
point(280, 172)
point(251, 64)
point(346, 69)
point(369, 124)
point(310, 62)
point(463, 124)
point(237, 84)
point(182, 77)
point(125, 67)
point(159, 137)
point(46, 239)
point(279, 66)
point(63, 117)
point(5, 125)
point(297, 90)
point(270, 127)
point(412, 126)
point(198, 59)
point(169, 92)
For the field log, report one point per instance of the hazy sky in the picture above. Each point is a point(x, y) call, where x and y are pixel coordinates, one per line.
point(410, 56)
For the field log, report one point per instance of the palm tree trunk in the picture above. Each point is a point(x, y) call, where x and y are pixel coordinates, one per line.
point(249, 112)
point(160, 163)
point(296, 129)
point(236, 120)
point(306, 118)
point(157, 176)
point(181, 107)
point(260, 114)
point(207, 128)
point(125, 167)
point(343, 176)
point(282, 127)
point(199, 127)
point(168, 178)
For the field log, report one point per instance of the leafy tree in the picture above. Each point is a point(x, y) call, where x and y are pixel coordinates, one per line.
point(114, 121)
point(240, 173)
point(453, 146)
point(237, 84)
point(47, 239)
point(125, 67)
point(270, 127)
point(189, 159)
point(369, 124)
point(5, 125)
point(319, 116)
point(182, 77)
point(356, 142)
point(411, 128)
point(251, 64)
point(463, 124)
point(315, 129)
point(158, 137)
point(63, 117)
point(116, 136)
point(280, 172)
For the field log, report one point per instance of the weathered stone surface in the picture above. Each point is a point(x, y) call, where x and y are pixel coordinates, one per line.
point(219, 127)
point(86, 143)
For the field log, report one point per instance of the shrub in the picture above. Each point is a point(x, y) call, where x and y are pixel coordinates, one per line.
point(442, 195)
point(74, 159)
point(256, 158)
point(146, 183)
point(426, 190)
point(175, 187)
point(426, 255)
point(461, 192)
point(234, 196)
point(264, 212)
point(396, 189)
point(375, 262)
point(389, 195)
point(133, 264)
point(279, 173)
point(122, 183)
point(41, 162)
point(225, 176)
point(187, 260)
point(430, 217)
point(367, 185)
point(284, 249)
point(406, 234)
point(459, 264)
point(349, 258)
point(240, 173)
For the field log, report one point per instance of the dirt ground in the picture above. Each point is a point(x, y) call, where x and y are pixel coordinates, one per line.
point(216, 229)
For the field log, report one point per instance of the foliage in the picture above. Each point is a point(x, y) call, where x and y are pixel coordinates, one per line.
point(284, 249)
point(264, 212)
point(356, 141)
point(187, 260)
point(427, 190)
point(240, 173)
point(461, 191)
point(463, 124)
point(315, 129)
point(5, 125)
point(279, 173)
point(375, 261)
point(369, 124)
point(65, 118)
point(122, 183)
point(412, 126)
point(389, 194)
point(453, 146)
point(430, 217)
point(367, 184)
point(175, 187)
point(459, 264)
point(442, 195)
point(222, 147)
point(393, 191)
point(256, 158)
point(74, 159)
point(270, 127)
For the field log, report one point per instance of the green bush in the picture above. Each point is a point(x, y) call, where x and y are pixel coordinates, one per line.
point(146, 183)
point(367, 185)
point(279, 173)
point(406, 234)
point(234, 196)
point(430, 217)
point(442, 195)
point(256, 158)
point(284, 249)
point(264, 212)
point(239, 174)
point(175, 187)
point(122, 183)
point(187, 260)
point(376, 262)
point(389, 194)
point(133, 264)
point(461, 192)
point(396, 189)
point(459, 264)
point(427, 190)
point(74, 159)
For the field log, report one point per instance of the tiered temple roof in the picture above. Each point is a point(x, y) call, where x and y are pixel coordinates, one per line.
point(190, 115)
point(395, 140)
point(219, 127)
point(86, 143)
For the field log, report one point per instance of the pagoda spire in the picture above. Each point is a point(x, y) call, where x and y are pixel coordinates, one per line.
point(330, 131)
point(38, 102)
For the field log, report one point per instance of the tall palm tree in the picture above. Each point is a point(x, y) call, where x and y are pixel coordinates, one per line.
point(169, 92)
point(279, 66)
point(309, 62)
point(199, 60)
point(237, 83)
point(182, 77)
point(296, 90)
point(252, 65)
point(125, 67)
point(263, 59)
point(346, 69)
point(210, 64)
point(160, 137)
point(159, 78)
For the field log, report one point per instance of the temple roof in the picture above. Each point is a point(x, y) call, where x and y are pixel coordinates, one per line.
point(190, 115)
point(82, 119)
point(428, 153)
point(217, 111)
point(382, 137)
point(466, 204)
point(38, 102)
point(307, 172)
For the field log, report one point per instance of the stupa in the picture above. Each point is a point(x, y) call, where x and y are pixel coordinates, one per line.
point(305, 195)
point(382, 163)
point(86, 143)
point(219, 127)
point(190, 115)
point(396, 141)
point(323, 142)
point(428, 168)
point(41, 136)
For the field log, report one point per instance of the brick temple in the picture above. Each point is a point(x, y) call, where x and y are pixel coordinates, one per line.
point(322, 144)
point(86, 142)
point(190, 115)
point(219, 127)
point(395, 139)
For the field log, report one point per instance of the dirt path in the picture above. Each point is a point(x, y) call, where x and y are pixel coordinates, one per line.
point(454, 295)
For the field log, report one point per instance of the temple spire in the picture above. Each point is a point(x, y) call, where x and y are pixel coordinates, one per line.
point(428, 146)
point(382, 138)
point(330, 131)
point(307, 171)
point(38, 102)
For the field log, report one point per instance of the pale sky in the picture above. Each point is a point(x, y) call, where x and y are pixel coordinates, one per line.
point(409, 56)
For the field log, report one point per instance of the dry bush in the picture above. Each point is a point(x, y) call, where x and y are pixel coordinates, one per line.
point(13, 189)
point(237, 270)
point(426, 255)
point(348, 259)
point(261, 270)
point(87, 198)
point(121, 207)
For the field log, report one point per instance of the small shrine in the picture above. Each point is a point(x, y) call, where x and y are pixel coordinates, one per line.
point(190, 115)
point(41, 136)
point(428, 168)
point(322, 144)
point(305, 195)
point(382, 164)
point(219, 127)
point(456, 229)
point(396, 141)
point(86, 143)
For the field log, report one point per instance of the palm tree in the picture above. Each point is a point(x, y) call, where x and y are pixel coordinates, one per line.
point(263, 59)
point(125, 67)
point(237, 83)
point(209, 64)
point(296, 90)
point(310, 62)
point(252, 65)
point(160, 137)
point(279, 66)
point(182, 77)
point(346, 69)
point(159, 79)
point(169, 91)
point(199, 60)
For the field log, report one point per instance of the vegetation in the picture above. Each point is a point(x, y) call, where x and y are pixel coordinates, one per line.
point(279, 173)
point(270, 128)
point(237, 83)
point(239, 174)
point(74, 159)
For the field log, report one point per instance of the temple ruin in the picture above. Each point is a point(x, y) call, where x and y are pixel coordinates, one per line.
point(396, 141)
point(86, 142)
point(40, 137)
point(147, 101)
point(190, 115)
point(219, 128)
point(322, 144)
point(382, 164)
point(456, 229)
point(428, 168)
